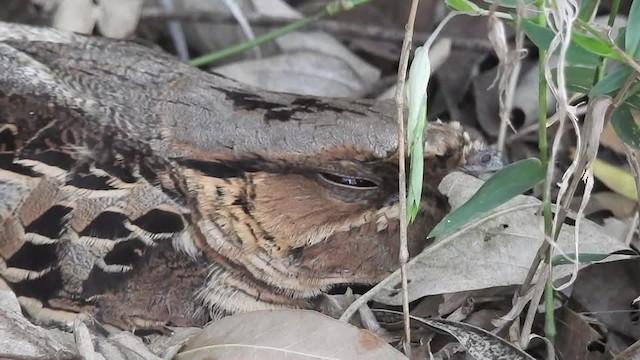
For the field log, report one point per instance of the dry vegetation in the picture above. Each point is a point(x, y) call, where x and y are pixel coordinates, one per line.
point(543, 257)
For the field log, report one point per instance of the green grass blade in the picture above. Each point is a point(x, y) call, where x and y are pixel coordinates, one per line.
point(500, 188)
point(505, 3)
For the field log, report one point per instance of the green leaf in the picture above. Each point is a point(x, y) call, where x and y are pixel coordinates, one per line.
point(611, 82)
point(622, 34)
point(500, 188)
point(463, 5)
point(633, 100)
point(583, 258)
point(625, 126)
point(512, 4)
point(633, 96)
point(595, 46)
point(587, 10)
point(415, 181)
point(632, 36)
point(579, 78)
point(542, 37)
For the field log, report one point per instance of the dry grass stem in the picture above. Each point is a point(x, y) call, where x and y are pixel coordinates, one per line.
point(400, 95)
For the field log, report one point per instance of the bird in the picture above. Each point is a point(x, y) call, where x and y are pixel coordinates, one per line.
point(148, 193)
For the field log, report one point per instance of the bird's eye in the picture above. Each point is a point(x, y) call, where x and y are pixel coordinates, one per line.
point(349, 181)
point(486, 158)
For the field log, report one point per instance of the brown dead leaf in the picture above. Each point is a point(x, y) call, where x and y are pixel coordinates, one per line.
point(285, 334)
point(631, 353)
point(606, 291)
point(574, 337)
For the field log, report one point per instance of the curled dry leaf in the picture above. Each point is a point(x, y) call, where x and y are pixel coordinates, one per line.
point(285, 334)
point(479, 343)
point(602, 288)
point(498, 252)
point(575, 335)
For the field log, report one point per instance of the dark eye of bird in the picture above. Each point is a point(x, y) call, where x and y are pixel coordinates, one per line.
point(486, 158)
point(348, 181)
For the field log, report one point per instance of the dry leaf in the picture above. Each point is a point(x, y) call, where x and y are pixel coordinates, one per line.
point(631, 353)
point(303, 73)
point(76, 15)
point(575, 334)
point(479, 343)
point(311, 64)
point(285, 334)
point(499, 252)
point(20, 339)
point(606, 292)
point(118, 18)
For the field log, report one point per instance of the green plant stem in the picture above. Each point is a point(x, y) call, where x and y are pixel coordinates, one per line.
point(331, 9)
point(549, 307)
point(543, 146)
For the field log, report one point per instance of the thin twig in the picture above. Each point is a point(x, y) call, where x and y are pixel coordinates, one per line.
point(402, 178)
